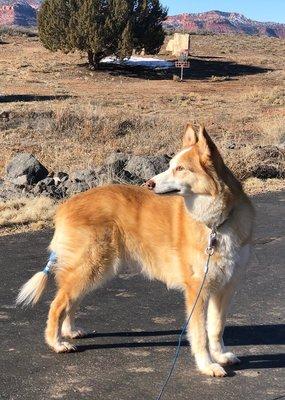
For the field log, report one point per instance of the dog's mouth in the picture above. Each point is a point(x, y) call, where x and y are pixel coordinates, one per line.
point(174, 191)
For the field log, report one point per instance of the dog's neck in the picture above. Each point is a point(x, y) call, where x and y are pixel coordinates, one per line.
point(212, 211)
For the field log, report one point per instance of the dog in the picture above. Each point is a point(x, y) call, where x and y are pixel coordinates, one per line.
point(164, 227)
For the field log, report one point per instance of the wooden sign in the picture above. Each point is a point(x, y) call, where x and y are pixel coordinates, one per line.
point(182, 64)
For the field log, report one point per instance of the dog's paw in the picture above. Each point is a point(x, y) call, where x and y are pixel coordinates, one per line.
point(226, 358)
point(213, 369)
point(77, 333)
point(63, 347)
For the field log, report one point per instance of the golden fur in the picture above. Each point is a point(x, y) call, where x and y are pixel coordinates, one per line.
point(97, 231)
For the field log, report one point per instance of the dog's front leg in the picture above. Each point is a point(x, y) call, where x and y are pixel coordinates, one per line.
point(197, 334)
point(217, 311)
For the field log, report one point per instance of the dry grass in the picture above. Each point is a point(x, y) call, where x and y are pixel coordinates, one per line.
point(104, 112)
point(274, 96)
point(254, 186)
point(24, 214)
point(69, 136)
point(273, 130)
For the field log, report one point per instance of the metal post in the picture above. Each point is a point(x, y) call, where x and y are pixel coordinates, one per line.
point(181, 77)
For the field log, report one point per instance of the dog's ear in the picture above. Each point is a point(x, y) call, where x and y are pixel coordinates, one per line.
point(207, 147)
point(190, 138)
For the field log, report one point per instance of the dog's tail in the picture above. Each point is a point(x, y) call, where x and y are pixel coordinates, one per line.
point(32, 290)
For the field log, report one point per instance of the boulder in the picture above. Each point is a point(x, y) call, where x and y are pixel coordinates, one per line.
point(25, 164)
point(114, 173)
point(145, 167)
point(118, 156)
point(83, 175)
point(75, 187)
point(79, 181)
point(20, 181)
point(129, 178)
point(42, 185)
point(56, 192)
point(9, 191)
point(270, 163)
point(60, 177)
point(117, 162)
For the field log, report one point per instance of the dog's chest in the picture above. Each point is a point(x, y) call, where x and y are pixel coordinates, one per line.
point(230, 261)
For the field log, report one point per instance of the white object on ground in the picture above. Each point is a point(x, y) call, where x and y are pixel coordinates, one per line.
point(148, 62)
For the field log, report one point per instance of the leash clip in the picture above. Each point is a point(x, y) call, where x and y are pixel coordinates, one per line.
point(212, 242)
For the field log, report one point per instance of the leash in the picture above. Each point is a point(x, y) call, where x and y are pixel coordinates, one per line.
point(210, 249)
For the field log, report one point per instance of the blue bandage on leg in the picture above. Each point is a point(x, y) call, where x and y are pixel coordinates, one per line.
point(51, 261)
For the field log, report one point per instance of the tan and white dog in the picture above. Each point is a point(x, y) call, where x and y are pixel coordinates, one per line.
point(97, 231)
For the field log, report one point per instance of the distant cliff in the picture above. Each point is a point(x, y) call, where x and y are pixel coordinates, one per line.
point(21, 13)
point(24, 12)
point(223, 22)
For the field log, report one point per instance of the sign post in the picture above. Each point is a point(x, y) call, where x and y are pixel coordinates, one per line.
point(182, 63)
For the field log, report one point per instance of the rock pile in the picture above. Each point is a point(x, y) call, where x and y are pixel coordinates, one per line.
point(25, 175)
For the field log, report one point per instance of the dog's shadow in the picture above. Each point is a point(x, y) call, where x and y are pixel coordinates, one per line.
point(234, 336)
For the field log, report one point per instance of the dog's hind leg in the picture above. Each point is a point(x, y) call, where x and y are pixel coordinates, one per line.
point(72, 283)
point(81, 268)
point(68, 328)
point(217, 311)
point(55, 317)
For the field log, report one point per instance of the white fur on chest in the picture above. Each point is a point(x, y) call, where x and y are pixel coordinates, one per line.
point(233, 258)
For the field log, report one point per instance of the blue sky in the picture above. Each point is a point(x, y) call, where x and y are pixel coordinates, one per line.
point(259, 10)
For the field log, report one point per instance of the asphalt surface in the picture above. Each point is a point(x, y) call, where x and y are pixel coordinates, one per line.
point(137, 323)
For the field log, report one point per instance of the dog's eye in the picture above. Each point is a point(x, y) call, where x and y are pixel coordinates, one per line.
point(180, 168)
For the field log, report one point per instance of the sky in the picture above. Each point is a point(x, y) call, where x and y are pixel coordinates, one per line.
point(259, 10)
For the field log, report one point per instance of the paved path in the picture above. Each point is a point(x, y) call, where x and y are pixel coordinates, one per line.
point(137, 324)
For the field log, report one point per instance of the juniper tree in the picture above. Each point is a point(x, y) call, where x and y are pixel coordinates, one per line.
point(148, 31)
point(102, 27)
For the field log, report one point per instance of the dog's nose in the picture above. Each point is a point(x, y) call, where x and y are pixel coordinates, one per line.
point(150, 184)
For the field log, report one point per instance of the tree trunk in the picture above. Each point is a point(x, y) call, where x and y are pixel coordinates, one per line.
point(94, 59)
point(90, 59)
point(97, 59)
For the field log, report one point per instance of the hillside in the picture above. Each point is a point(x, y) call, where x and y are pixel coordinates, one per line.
point(23, 13)
point(18, 12)
point(224, 22)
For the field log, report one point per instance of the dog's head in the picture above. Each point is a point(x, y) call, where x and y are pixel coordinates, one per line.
point(198, 168)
